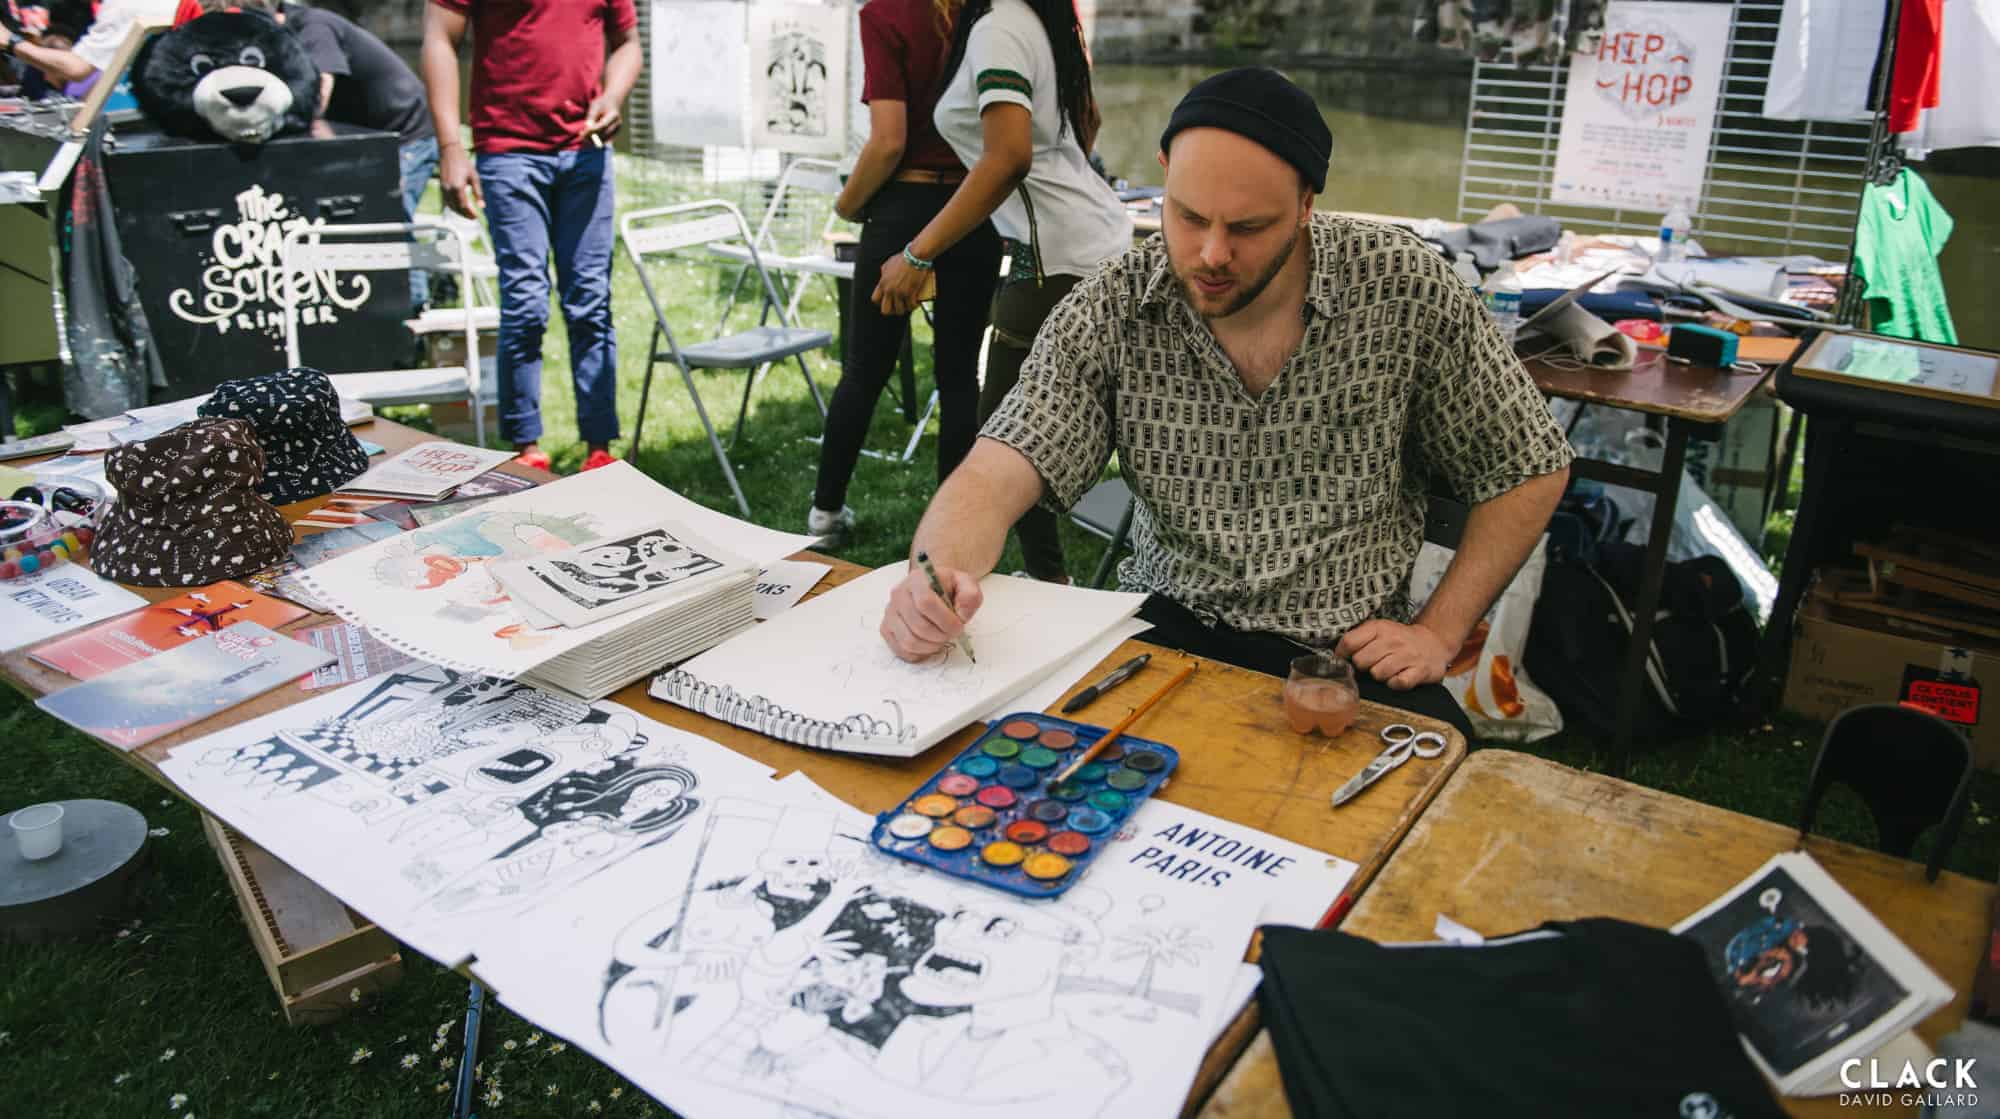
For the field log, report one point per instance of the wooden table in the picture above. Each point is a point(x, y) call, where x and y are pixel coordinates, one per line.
point(1239, 760)
point(1695, 401)
point(1514, 841)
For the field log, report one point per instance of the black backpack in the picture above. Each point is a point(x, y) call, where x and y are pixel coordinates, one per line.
point(1704, 642)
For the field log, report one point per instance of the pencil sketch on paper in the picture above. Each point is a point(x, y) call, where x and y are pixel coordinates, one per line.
point(705, 45)
point(845, 689)
point(468, 793)
point(788, 961)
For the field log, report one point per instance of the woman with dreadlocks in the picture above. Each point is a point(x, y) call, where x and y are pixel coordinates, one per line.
point(1017, 108)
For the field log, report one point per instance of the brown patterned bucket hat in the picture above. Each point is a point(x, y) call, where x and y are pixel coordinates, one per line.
point(188, 512)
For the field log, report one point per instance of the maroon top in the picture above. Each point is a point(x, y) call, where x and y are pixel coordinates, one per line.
point(905, 52)
point(536, 67)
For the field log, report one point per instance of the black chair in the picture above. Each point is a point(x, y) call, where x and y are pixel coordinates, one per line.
point(1912, 769)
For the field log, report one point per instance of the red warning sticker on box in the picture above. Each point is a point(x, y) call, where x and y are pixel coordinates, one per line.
point(1954, 702)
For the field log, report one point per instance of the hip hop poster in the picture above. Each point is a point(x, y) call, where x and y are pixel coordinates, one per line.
point(1640, 110)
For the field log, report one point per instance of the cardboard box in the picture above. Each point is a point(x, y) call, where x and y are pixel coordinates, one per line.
point(1841, 664)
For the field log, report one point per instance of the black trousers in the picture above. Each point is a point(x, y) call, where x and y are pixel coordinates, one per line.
point(1177, 627)
point(1019, 310)
point(967, 273)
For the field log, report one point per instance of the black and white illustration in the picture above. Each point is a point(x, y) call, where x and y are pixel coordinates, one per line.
point(604, 578)
point(1810, 977)
point(426, 795)
point(769, 963)
point(798, 78)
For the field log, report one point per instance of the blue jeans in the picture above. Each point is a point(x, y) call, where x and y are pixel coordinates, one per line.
point(418, 160)
point(561, 201)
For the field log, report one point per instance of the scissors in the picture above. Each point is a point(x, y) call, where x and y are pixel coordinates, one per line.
point(1403, 740)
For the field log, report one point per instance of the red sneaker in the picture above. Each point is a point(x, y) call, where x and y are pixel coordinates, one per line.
point(599, 458)
point(533, 460)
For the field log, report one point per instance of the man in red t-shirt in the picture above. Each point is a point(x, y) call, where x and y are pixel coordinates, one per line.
point(543, 103)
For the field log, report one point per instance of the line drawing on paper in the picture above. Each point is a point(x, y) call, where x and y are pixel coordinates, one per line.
point(619, 569)
point(795, 83)
point(496, 791)
point(795, 964)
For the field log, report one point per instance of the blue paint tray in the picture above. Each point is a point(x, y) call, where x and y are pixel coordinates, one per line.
point(993, 815)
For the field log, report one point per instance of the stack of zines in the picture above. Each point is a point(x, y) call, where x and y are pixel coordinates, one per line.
point(673, 594)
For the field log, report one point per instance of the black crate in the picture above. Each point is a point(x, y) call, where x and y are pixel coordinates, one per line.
point(202, 225)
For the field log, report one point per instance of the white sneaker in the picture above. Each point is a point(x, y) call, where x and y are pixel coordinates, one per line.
point(832, 528)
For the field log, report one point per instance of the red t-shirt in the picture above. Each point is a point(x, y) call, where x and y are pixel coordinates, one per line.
point(904, 52)
point(536, 67)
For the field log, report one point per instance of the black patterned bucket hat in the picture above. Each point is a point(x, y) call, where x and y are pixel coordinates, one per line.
point(188, 512)
point(296, 414)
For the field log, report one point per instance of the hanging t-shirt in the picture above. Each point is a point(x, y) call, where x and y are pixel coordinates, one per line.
point(1897, 237)
point(1078, 223)
point(1913, 83)
point(1821, 49)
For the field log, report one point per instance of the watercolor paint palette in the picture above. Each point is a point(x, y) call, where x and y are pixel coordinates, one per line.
point(996, 815)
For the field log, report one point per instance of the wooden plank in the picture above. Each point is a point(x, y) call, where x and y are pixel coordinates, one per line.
point(1514, 841)
point(1943, 563)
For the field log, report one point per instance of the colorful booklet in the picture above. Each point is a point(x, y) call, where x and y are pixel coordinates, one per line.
point(56, 600)
point(135, 704)
point(1811, 977)
point(427, 470)
point(405, 514)
point(162, 626)
point(358, 655)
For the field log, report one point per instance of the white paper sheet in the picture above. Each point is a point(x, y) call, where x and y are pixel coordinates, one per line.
point(783, 583)
point(772, 964)
point(435, 802)
point(428, 592)
point(798, 78)
point(822, 676)
point(704, 45)
point(55, 600)
point(1049, 690)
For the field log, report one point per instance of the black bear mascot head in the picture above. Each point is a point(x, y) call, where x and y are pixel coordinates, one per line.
point(230, 75)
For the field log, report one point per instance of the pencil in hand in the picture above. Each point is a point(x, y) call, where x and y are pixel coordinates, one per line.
point(964, 639)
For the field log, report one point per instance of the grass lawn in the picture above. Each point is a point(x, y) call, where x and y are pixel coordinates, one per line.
point(174, 1003)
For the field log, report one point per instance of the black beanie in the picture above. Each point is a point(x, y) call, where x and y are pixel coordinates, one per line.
point(1263, 105)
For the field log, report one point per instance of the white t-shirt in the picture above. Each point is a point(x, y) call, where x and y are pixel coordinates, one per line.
point(99, 45)
point(1079, 222)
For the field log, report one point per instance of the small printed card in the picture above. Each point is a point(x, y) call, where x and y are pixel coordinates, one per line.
point(323, 546)
point(56, 600)
point(133, 705)
point(357, 655)
point(427, 470)
point(493, 483)
point(783, 583)
point(162, 626)
point(606, 578)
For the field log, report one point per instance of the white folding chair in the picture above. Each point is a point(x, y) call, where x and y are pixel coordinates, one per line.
point(329, 250)
point(664, 231)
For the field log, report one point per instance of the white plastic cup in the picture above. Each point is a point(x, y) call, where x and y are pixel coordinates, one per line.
point(38, 829)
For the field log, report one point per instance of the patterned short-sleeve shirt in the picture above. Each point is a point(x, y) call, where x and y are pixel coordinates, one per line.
point(1299, 511)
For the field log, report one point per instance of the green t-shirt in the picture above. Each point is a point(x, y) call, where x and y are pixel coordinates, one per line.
point(1899, 233)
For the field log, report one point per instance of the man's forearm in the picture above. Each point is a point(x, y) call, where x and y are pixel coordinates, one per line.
point(966, 526)
point(1498, 536)
point(621, 69)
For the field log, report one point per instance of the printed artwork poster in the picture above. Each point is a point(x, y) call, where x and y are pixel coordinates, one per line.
point(798, 78)
point(1640, 110)
point(704, 45)
point(1798, 983)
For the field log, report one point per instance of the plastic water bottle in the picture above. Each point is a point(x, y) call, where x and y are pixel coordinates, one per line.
point(1674, 229)
point(1502, 296)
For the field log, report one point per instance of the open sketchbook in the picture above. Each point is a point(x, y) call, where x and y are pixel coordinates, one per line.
point(431, 594)
point(821, 675)
point(1811, 977)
